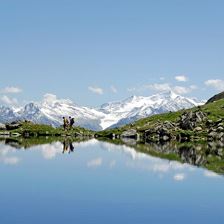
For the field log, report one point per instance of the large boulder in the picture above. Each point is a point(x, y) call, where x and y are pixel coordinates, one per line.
point(198, 129)
point(189, 120)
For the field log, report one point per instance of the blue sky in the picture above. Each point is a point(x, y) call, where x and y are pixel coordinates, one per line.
point(98, 51)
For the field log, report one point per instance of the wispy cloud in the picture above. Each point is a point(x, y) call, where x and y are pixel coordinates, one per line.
point(4, 98)
point(96, 90)
point(11, 89)
point(217, 84)
point(181, 78)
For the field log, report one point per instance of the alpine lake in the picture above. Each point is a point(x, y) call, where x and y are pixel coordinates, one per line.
point(65, 180)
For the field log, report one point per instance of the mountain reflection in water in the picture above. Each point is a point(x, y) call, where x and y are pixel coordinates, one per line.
point(69, 181)
point(209, 156)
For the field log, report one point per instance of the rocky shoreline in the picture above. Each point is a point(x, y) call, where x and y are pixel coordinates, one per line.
point(189, 126)
point(28, 129)
point(202, 123)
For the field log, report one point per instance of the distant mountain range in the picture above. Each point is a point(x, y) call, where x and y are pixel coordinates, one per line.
point(109, 115)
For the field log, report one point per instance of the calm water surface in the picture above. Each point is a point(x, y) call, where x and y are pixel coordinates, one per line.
point(104, 183)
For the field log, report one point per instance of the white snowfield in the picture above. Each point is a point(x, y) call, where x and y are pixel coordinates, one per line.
point(51, 110)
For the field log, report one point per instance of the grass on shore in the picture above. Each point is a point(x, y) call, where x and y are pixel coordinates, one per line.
point(46, 130)
point(214, 110)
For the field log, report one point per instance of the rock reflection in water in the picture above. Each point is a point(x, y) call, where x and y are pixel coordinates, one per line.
point(209, 155)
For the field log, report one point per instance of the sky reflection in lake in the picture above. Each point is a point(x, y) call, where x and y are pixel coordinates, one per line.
point(104, 183)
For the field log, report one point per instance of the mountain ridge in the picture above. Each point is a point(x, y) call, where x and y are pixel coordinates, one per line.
point(109, 115)
point(216, 97)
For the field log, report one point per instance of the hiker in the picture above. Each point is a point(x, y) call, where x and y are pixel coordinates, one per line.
point(71, 147)
point(71, 122)
point(65, 146)
point(65, 123)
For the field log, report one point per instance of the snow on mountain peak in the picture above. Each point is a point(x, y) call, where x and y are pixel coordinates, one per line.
point(31, 108)
point(136, 107)
point(51, 110)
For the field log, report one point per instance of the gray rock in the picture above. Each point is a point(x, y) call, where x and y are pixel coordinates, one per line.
point(198, 129)
point(2, 126)
point(213, 135)
point(132, 133)
point(220, 129)
point(5, 133)
point(165, 138)
point(209, 122)
point(189, 120)
point(220, 152)
point(15, 134)
point(219, 121)
point(220, 135)
point(12, 126)
point(221, 125)
point(168, 125)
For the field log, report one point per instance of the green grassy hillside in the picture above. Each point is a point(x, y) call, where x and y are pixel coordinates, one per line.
point(214, 113)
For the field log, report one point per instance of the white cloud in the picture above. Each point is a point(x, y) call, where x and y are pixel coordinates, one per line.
point(48, 97)
point(113, 89)
point(179, 177)
point(6, 158)
point(50, 151)
point(95, 162)
point(11, 89)
point(181, 78)
point(10, 101)
point(159, 87)
point(96, 90)
point(211, 174)
point(218, 84)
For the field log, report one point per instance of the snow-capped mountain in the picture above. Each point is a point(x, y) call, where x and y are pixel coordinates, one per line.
point(51, 110)
point(7, 114)
point(136, 107)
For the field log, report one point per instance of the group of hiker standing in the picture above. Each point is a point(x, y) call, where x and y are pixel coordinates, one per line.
point(68, 123)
